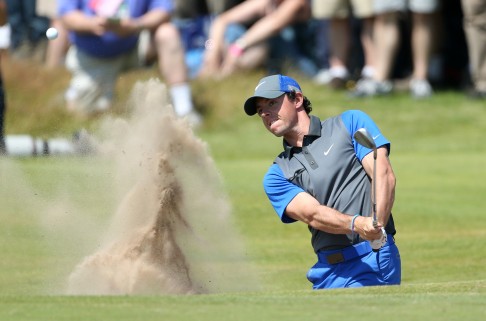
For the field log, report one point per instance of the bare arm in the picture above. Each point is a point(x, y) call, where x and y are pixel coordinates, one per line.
point(79, 22)
point(307, 209)
point(385, 183)
point(245, 11)
point(284, 15)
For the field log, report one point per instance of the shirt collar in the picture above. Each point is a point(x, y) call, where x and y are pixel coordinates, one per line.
point(314, 133)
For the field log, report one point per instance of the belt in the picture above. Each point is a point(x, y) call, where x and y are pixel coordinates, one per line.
point(348, 253)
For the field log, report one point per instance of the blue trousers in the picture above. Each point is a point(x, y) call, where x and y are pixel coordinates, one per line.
point(357, 266)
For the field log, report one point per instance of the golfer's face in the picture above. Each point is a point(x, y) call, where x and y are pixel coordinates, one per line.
point(276, 113)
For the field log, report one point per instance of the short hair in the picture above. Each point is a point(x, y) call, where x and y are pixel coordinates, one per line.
point(307, 104)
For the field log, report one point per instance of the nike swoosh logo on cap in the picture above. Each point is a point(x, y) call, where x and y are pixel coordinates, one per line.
point(377, 136)
point(256, 88)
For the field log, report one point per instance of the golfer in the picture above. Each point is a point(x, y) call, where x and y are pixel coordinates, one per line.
point(322, 178)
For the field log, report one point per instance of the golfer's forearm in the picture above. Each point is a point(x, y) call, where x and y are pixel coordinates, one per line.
point(385, 195)
point(307, 209)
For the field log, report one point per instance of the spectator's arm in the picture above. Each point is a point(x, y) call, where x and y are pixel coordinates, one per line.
point(243, 12)
point(284, 15)
point(152, 19)
point(79, 22)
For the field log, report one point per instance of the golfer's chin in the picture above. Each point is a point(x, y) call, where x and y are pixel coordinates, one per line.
point(275, 130)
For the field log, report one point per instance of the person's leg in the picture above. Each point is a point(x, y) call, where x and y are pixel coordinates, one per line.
point(37, 25)
point(387, 40)
point(172, 67)
point(475, 29)
point(17, 25)
point(357, 266)
point(92, 84)
point(385, 44)
point(339, 38)
point(422, 26)
point(368, 47)
point(364, 12)
point(57, 48)
point(422, 41)
point(2, 117)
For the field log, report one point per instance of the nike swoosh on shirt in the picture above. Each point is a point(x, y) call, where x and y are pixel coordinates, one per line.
point(259, 85)
point(328, 150)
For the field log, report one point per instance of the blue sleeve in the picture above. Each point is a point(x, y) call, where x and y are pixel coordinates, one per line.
point(137, 8)
point(166, 5)
point(280, 191)
point(66, 6)
point(356, 119)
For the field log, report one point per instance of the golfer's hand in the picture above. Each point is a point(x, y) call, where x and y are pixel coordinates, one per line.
point(364, 227)
point(379, 243)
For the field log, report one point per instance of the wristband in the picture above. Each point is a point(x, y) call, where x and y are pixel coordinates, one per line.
point(352, 224)
point(236, 50)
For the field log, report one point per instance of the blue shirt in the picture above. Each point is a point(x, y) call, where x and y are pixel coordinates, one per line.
point(109, 45)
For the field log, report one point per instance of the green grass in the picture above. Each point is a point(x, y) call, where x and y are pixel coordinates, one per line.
point(438, 155)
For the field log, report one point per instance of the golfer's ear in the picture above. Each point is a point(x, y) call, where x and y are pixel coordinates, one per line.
point(299, 99)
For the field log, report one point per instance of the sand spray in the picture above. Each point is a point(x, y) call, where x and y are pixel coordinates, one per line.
point(173, 230)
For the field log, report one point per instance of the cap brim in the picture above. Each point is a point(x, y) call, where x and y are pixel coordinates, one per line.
point(250, 107)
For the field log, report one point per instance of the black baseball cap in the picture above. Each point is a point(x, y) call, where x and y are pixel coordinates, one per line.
point(271, 87)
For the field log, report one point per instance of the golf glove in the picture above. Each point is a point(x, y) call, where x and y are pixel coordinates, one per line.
point(377, 244)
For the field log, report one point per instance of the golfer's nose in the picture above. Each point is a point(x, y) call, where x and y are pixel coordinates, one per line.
point(262, 112)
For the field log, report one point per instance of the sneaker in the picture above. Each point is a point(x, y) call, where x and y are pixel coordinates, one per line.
point(420, 88)
point(323, 77)
point(368, 88)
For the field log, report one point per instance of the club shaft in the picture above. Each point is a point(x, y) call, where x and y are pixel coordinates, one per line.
point(373, 192)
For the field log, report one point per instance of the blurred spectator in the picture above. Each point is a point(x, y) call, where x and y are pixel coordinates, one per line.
point(219, 6)
point(340, 37)
point(387, 40)
point(28, 39)
point(193, 18)
point(475, 28)
point(3, 21)
point(256, 33)
point(104, 37)
point(57, 48)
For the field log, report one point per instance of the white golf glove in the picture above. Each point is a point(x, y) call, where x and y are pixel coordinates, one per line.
point(377, 244)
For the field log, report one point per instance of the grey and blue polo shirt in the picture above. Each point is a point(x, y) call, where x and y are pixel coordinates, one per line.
point(328, 167)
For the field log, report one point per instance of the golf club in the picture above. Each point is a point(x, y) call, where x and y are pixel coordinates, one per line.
point(363, 137)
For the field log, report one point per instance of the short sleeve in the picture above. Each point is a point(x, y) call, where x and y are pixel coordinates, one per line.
point(356, 119)
point(280, 191)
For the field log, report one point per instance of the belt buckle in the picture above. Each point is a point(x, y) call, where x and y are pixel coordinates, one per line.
point(335, 258)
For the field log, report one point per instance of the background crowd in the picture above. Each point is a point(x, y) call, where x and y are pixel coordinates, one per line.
point(365, 48)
